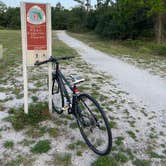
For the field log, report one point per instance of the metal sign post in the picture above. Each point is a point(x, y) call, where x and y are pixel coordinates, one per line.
point(36, 41)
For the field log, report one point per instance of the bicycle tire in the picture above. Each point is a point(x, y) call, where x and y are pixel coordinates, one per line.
point(57, 96)
point(79, 116)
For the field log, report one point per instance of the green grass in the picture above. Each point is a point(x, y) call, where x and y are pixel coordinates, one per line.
point(53, 132)
point(132, 134)
point(20, 160)
point(119, 140)
point(73, 125)
point(113, 124)
point(35, 132)
point(139, 162)
point(137, 48)
point(61, 49)
point(62, 159)
point(105, 161)
point(11, 41)
point(8, 144)
point(77, 145)
point(27, 142)
point(42, 146)
point(37, 113)
point(34, 98)
point(121, 157)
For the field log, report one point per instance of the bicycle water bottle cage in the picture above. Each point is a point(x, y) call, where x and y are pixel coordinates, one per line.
point(76, 79)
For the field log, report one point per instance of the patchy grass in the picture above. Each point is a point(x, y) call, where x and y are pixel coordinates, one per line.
point(34, 98)
point(119, 140)
point(62, 159)
point(8, 144)
point(53, 132)
point(132, 134)
point(105, 161)
point(153, 154)
point(139, 162)
point(20, 160)
point(121, 157)
point(61, 49)
point(77, 145)
point(113, 124)
point(35, 132)
point(73, 125)
point(27, 142)
point(37, 113)
point(138, 48)
point(11, 41)
point(42, 146)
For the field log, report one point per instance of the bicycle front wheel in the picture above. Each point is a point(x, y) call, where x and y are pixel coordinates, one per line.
point(93, 124)
point(57, 96)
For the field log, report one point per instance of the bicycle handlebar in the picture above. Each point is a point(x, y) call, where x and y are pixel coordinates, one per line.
point(52, 59)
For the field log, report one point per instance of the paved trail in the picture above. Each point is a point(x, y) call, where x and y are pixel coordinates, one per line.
point(142, 86)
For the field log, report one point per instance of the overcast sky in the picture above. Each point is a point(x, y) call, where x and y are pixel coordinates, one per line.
point(66, 3)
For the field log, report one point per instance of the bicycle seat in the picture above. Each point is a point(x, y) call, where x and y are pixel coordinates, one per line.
point(76, 79)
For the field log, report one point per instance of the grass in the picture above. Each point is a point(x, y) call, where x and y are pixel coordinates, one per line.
point(11, 41)
point(42, 146)
point(8, 144)
point(73, 125)
point(132, 134)
point(77, 145)
point(113, 124)
point(62, 159)
point(121, 157)
point(119, 140)
point(20, 160)
point(37, 113)
point(105, 161)
point(53, 132)
point(27, 142)
point(137, 48)
point(61, 49)
point(34, 99)
point(35, 132)
point(139, 162)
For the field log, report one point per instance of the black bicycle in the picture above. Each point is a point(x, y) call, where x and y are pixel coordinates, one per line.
point(90, 117)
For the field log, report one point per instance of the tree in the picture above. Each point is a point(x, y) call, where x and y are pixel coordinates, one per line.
point(158, 10)
point(2, 13)
point(3, 7)
point(84, 3)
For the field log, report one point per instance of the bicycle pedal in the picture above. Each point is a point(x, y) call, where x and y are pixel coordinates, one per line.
point(65, 108)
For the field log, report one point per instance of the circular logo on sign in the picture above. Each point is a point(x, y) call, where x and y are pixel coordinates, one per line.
point(36, 15)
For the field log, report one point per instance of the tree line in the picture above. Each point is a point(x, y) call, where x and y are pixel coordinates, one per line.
point(113, 19)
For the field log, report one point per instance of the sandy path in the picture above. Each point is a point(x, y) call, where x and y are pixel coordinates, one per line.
point(141, 85)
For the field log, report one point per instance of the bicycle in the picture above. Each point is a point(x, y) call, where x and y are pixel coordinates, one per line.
point(90, 117)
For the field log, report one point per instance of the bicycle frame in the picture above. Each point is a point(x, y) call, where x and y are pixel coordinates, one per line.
point(73, 89)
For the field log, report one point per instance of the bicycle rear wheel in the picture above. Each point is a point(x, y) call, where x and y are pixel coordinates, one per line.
point(93, 124)
point(57, 96)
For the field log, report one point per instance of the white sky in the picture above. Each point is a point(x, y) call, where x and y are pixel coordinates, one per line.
point(66, 3)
